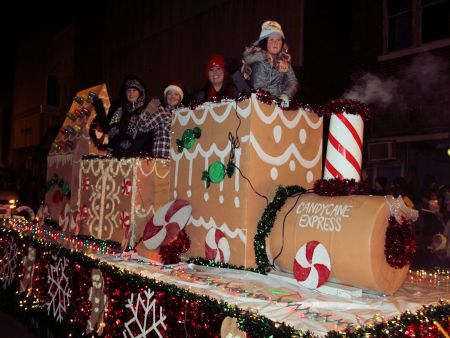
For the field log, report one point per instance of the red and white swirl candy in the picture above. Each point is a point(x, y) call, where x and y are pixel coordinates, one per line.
point(216, 246)
point(124, 219)
point(86, 183)
point(165, 225)
point(312, 265)
point(126, 187)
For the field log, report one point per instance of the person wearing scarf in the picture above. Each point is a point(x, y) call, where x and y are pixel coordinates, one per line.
point(267, 64)
point(131, 126)
point(220, 85)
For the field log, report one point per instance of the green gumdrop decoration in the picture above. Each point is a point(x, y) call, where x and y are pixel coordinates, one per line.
point(216, 172)
point(188, 138)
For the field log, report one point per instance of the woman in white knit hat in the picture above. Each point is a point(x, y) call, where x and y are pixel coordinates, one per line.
point(270, 64)
point(173, 95)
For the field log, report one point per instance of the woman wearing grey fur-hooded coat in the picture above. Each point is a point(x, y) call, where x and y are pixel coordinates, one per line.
point(268, 64)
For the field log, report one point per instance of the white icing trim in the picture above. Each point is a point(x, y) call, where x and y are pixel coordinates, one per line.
point(200, 222)
point(282, 159)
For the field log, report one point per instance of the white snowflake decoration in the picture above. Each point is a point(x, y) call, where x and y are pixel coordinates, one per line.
point(148, 304)
point(8, 269)
point(59, 290)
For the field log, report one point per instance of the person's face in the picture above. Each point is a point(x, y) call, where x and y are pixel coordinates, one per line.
point(173, 98)
point(132, 94)
point(215, 75)
point(274, 44)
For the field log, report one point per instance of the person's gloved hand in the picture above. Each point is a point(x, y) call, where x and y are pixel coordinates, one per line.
point(98, 105)
point(246, 71)
point(284, 100)
point(153, 105)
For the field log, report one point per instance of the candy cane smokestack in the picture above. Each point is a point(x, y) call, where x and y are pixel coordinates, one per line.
point(344, 148)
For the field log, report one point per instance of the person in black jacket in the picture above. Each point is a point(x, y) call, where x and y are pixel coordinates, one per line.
point(131, 126)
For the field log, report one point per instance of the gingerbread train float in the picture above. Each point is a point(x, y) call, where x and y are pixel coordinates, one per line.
point(227, 160)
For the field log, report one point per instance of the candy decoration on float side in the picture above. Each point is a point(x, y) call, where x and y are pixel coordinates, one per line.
point(79, 218)
point(126, 187)
point(64, 218)
point(86, 183)
point(217, 247)
point(312, 265)
point(125, 223)
point(344, 148)
point(42, 214)
point(25, 209)
point(124, 219)
point(166, 224)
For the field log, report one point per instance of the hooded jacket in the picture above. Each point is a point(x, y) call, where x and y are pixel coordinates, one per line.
point(126, 136)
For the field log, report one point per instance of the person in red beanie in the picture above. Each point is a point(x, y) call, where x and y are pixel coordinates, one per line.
point(220, 84)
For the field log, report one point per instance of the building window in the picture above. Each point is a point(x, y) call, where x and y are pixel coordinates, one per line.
point(412, 23)
point(435, 20)
point(400, 24)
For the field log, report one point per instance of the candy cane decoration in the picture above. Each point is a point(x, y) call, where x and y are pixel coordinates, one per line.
point(126, 239)
point(42, 214)
point(126, 187)
point(78, 220)
point(216, 246)
point(165, 225)
point(64, 218)
point(25, 209)
point(344, 149)
point(312, 265)
point(86, 183)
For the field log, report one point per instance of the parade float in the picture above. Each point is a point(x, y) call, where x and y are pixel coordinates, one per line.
point(237, 235)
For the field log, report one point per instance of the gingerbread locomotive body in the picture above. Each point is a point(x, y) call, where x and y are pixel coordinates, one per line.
point(227, 161)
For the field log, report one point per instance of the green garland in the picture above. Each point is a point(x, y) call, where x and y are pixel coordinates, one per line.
point(266, 222)
point(425, 320)
point(250, 322)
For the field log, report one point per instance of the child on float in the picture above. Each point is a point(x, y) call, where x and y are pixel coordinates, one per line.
point(219, 85)
point(267, 64)
point(173, 96)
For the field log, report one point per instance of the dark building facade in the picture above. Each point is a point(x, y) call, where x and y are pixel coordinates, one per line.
point(334, 46)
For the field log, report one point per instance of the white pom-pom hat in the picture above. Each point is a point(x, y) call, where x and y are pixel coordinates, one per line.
point(174, 88)
point(269, 28)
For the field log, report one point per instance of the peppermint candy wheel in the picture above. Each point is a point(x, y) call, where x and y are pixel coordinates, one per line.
point(216, 246)
point(64, 218)
point(312, 265)
point(124, 219)
point(165, 225)
point(126, 187)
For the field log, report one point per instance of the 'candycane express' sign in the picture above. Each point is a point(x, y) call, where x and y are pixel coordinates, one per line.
point(322, 216)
